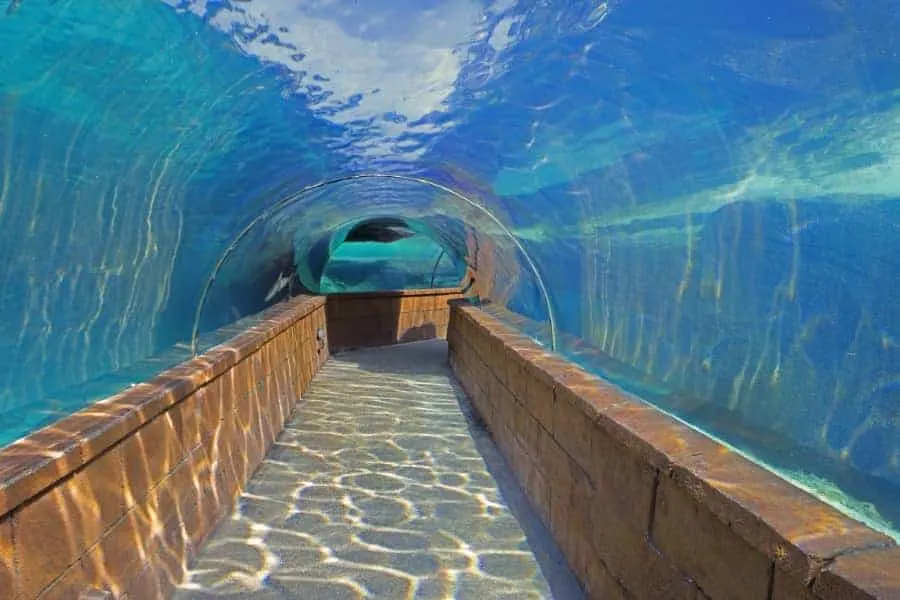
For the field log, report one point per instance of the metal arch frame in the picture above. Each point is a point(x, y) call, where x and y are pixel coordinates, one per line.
point(436, 264)
point(290, 199)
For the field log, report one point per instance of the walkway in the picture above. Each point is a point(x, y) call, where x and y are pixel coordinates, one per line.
point(382, 486)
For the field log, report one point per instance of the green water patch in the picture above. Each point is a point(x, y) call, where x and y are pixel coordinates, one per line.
point(412, 263)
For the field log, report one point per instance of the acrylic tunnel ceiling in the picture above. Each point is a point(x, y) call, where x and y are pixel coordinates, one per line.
point(705, 192)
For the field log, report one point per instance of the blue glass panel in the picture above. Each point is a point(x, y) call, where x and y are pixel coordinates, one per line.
point(700, 197)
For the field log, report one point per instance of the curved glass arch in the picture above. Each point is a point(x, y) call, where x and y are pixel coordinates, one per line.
point(300, 231)
point(707, 190)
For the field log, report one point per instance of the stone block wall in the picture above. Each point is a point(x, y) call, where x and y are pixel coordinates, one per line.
point(644, 506)
point(384, 318)
point(114, 501)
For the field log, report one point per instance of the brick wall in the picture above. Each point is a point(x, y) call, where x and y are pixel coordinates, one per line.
point(384, 318)
point(119, 496)
point(644, 506)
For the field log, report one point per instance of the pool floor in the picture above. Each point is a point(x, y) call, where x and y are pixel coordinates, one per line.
point(382, 485)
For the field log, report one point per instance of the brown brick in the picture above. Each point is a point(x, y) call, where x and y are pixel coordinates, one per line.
point(580, 555)
point(558, 467)
point(227, 483)
point(259, 366)
point(221, 444)
point(8, 577)
point(345, 308)
point(515, 376)
point(538, 491)
point(54, 520)
point(410, 304)
point(277, 347)
point(122, 552)
point(632, 559)
point(217, 498)
point(101, 486)
point(599, 584)
point(572, 428)
point(246, 408)
point(518, 458)
point(255, 448)
point(481, 344)
point(792, 528)
point(594, 398)
point(151, 453)
point(102, 424)
point(540, 400)
point(317, 321)
point(560, 505)
point(785, 586)
point(172, 553)
point(180, 493)
point(209, 508)
point(544, 364)
point(504, 404)
point(27, 467)
point(488, 405)
point(69, 586)
point(496, 357)
point(625, 484)
point(528, 432)
point(862, 575)
point(241, 378)
point(70, 518)
point(453, 335)
point(215, 401)
point(697, 542)
point(147, 584)
point(570, 517)
point(480, 371)
point(482, 400)
point(271, 413)
point(409, 320)
point(292, 381)
point(191, 415)
point(656, 437)
point(308, 328)
point(306, 370)
point(233, 451)
point(286, 396)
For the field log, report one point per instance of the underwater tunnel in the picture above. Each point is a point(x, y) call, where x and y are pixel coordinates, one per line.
point(697, 201)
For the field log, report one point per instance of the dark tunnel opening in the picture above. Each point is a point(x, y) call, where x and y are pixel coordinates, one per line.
point(372, 254)
point(363, 233)
point(389, 253)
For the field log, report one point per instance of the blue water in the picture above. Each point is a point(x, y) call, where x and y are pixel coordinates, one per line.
point(708, 191)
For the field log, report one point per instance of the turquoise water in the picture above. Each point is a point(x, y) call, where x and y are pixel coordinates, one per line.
point(416, 263)
point(705, 193)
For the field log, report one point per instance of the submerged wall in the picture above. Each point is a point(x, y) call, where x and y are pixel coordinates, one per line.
point(119, 497)
point(644, 506)
point(708, 192)
point(385, 318)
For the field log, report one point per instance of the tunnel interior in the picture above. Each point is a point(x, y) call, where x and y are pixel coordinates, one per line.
point(370, 259)
point(696, 201)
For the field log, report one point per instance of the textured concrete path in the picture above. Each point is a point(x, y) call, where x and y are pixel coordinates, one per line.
point(382, 486)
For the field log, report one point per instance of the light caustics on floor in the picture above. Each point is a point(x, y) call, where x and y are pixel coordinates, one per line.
point(383, 485)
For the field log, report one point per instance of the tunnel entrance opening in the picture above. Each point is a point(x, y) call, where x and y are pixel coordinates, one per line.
point(304, 229)
point(388, 253)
